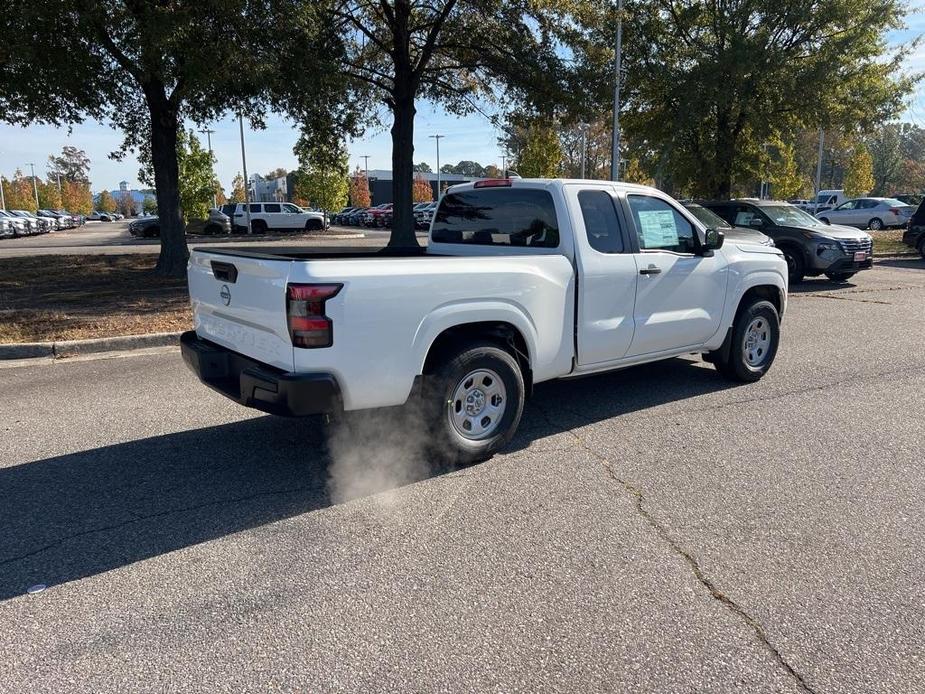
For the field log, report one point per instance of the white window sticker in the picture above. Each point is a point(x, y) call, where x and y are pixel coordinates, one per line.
point(658, 228)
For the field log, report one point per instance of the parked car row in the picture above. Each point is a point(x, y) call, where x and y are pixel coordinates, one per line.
point(98, 216)
point(272, 216)
point(380, 216)
point(869, 213)
point(150, 226)
point(26, 223)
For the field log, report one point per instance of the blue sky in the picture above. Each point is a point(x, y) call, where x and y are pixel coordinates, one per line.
point(472, 137)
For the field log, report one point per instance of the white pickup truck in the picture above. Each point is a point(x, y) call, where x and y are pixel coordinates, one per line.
point(522, 281)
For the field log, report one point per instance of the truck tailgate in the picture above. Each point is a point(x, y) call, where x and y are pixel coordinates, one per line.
point(240, 303)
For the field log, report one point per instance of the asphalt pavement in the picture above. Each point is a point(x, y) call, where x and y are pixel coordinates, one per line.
point(652, 530)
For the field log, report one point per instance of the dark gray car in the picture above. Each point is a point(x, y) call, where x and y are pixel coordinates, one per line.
point(810, 246)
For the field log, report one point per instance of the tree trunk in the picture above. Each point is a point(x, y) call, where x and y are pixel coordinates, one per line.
point(165, 124)
point(403, 172)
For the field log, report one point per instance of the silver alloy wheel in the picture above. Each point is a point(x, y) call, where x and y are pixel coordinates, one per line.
point(478, 403)
point(757, 344)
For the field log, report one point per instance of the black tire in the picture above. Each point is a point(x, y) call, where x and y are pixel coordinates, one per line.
point(152, 232)
point(258, 226)
point(796, 265)
point(212, 229)
point(840, 276)
point(876, 224)
point(922, 246)
point(744, 363)
point(440, 398)
point(314, 225)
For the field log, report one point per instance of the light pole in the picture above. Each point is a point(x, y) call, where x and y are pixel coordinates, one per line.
point(584, 146)
point(365, 159)
point(247, 190)
point(819, 169)
point(504, 165)
point(35, 188)
point(617, 78)
point(208, 133)
point(437, 138)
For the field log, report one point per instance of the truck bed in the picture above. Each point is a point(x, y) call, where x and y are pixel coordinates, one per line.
point(268, 252)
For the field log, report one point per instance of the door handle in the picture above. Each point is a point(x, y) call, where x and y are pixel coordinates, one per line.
point(651, 270)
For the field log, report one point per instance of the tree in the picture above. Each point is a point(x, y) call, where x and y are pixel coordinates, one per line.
point(125, 204)
point(76, 197)
point(72, 165)
point(196, 177)
point(859, 178)
point(322, 180)
point(492, 171)
point(394, 52)
point(634, 173)
point(464, 168)
point(359, 189)
point(540, 154)
point(278, 172)
point(149, 204)
point(19, 193)
point(49, 196)
point(422, 190)
point(145, 66)
point(105, 202)
point(219, 194)
point(237, 189)
point(786, 179)
point(709, 77)
point(423, 167)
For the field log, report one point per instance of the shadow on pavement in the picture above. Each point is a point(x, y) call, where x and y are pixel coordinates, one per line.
point(77, 515)
point(912, 262)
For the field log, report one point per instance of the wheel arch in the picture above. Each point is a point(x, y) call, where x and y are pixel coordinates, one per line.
point(503, 333)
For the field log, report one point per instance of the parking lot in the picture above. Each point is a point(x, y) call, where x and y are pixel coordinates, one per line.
point(652, 529)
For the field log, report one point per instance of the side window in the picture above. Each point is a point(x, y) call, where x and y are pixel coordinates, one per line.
point(291, 209)
point(867, 204)
point(661, 227)
point(271, 207)
point(228, 210)
point(256, 208)
point(724, 212)
point(601, 223)
point(744, 217)
point(846, 206)
point(497, 217)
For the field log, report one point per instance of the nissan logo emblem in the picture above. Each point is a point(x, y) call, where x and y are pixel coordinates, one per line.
point(225, 294)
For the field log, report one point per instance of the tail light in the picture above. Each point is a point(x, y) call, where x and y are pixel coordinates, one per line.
point(895, 210)
point(308, 326)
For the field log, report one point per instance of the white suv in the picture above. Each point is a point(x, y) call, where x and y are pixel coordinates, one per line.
point(270, 216)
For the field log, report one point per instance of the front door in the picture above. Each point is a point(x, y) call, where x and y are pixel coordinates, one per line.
point(680, 294)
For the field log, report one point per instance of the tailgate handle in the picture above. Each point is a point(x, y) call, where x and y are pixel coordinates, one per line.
point(224, 272)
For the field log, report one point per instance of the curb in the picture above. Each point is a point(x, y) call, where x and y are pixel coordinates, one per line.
point(67, 348)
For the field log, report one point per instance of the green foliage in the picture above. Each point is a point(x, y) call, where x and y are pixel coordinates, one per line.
point(540, 153)
point(197, 178)
point(105, 202)
point(322, 180)
point(464, 168)
point(859, 178)
point(423, 167)
point(72, 165)
point(76, 197)
point(706, 78)
point(49, 197)
point(149, 204)
point(787, 181)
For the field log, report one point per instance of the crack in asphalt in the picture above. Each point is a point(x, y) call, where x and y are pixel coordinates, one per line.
point(727, 602)
point(848, 298)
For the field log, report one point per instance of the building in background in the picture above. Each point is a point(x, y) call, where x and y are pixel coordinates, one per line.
point(137, 196)
point(270, 189)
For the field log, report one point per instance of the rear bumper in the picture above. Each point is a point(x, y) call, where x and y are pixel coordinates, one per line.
point(253, 384)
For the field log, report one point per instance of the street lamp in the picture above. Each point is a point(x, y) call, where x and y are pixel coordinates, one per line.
point(247, 190)
point(617, 78)
point(437, 138)
point(35, 188)
point(208, 133)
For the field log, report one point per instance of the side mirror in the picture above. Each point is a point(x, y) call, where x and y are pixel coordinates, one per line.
point(713, 239)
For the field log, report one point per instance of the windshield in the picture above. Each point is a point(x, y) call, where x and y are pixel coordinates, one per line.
point(788, 215)
point(708, 218)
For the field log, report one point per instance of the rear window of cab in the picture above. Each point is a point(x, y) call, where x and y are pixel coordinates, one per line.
point(497, 217)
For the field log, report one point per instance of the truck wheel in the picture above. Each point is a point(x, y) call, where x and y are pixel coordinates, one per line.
point(796, 266)
point(258, 226)
point(922, 247)
point(754, 339)
point(475, 400)
point(314, 225)
point(840, 276)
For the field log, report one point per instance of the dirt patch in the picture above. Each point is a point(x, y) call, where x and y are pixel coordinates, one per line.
point(890, 243)
point(77, 297)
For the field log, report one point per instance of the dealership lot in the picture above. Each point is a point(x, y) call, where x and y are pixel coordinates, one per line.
point(656, 528)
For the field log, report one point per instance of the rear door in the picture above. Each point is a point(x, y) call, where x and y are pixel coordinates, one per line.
point(240, 303)
point(680, 295)
point(606, 274)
